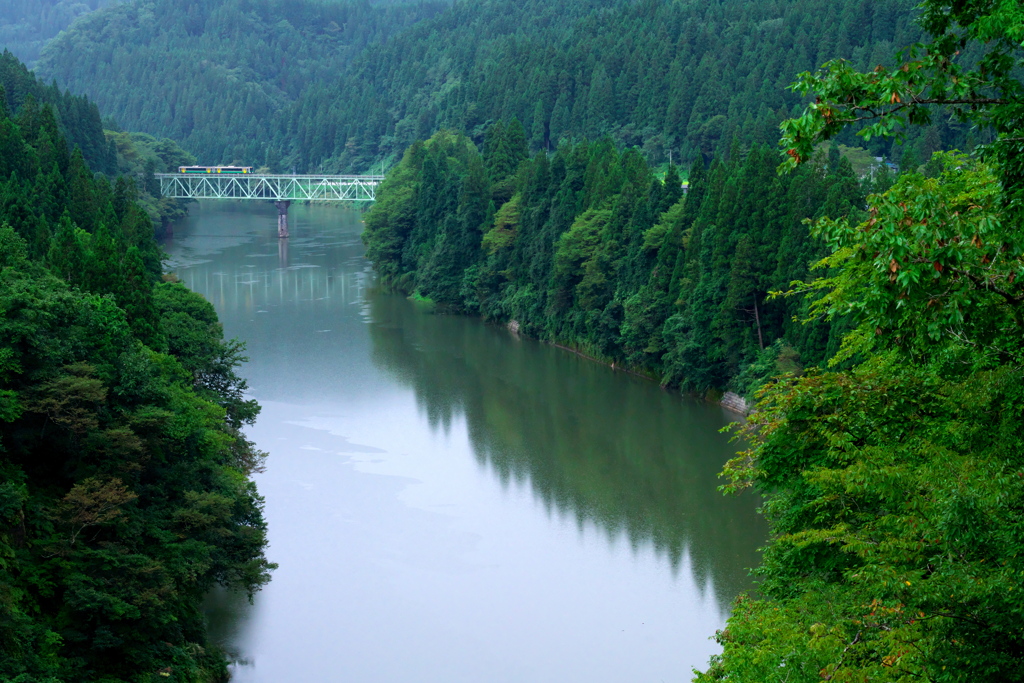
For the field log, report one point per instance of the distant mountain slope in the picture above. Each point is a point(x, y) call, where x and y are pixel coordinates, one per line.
point(662, 75)
point(27, 25)
point(303, 84)
point(216, 75)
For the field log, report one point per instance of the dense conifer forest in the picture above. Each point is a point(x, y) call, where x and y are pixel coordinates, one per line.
point(220, 78)
point(124, 490)
point(111, 152)
point(258, 81)
point(588, 248)
point(74, 117)
point(27, 25)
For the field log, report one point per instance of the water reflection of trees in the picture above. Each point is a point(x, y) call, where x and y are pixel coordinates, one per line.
point(607, 449)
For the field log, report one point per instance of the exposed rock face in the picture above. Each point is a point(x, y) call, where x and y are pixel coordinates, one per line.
point(735, 402)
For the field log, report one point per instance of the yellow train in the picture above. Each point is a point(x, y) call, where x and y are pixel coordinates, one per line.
point(215, 169)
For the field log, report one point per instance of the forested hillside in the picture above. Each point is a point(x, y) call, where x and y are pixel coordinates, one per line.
point(124, 489)
point(306, 84)
point(657, 75)
point(218, 77)
point(74, 117)
point(77, 120)
point(896, 485)
point(588, 248)
point(27, 25)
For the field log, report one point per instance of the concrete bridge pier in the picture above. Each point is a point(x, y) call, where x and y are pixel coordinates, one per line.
point(282, 217)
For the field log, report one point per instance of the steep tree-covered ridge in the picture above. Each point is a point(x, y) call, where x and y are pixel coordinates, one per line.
point(111, 152)
point(589, 248)
point(302, 84)
point(74, 117)
point(124, 487)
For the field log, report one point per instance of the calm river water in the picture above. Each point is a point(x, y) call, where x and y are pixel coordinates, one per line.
point(447, 502)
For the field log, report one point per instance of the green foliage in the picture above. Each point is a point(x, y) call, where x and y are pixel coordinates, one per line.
point(588, 249)
point(124, 490)
point(46, 114)
point(227, 72)
point(503, 234)
point(773, 362)
point(948, 275)
point(139, 156)
point(895, 486)
point(896, 546)
point(426, 229)
point(195, 337)
point(968, 68)
point(304, 84)
point(27, 25)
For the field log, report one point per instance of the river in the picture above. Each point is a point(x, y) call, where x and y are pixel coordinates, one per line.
point(448, 502)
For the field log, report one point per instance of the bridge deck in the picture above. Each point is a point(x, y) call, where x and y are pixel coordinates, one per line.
point(331, 188)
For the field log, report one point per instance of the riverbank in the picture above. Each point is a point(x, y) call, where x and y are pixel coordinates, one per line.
point(729, 400)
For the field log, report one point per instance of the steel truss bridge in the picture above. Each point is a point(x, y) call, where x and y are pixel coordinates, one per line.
point(280, 189)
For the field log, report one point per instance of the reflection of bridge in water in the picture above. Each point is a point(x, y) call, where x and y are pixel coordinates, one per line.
point(287, 283)
point(280, 189)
